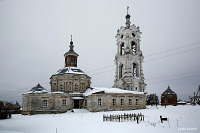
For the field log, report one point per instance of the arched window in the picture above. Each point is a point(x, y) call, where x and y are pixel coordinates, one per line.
point(133, 47)
point(122, 49)
point(134, 70)
point(133, 34)
point(120, 70)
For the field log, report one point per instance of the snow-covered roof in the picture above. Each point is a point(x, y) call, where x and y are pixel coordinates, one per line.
point(94, 90)
point(57, 92)
point(71, 70)
point(77, 98)
point(37, 89)
point(168, 91)
point(181, 102)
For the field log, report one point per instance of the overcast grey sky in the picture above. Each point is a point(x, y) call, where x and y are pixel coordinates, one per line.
point(35, 34)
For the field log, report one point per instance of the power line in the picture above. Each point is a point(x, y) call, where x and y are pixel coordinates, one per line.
point(173, 54)
point(187, 45)
point(99, 69)
point(172, 79)
point(16, 91)
point(173, 75)
point(103, 72)
point(156, 58)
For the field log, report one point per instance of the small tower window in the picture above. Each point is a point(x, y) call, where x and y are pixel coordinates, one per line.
point(133, 34)
point(72, 60)
point(122, 49)
point(122, 36)
point(133, 47)
point(120, 70)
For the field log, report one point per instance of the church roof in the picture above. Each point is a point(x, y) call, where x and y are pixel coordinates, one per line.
point(71, 52)
point(69, 70)
point(95, 90)
point(168, 91)
point(38, 89)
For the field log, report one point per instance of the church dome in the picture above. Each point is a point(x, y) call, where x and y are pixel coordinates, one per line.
point(71, 52)
point(69, 70)
point(128, 16)
point(38, 89)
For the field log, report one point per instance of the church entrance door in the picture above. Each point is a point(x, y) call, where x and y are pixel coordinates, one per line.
point(76, 104)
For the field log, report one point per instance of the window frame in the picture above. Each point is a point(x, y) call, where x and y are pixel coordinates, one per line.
point(137, 101)
point(130, 102)
point(76, 87)
point(99, 102)
point(114, 102)
point(64, 104)
point(122, 102)
point(44, 103)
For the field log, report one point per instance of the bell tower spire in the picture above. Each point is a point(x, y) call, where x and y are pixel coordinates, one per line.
point(128, 22)
point(71, 56)
point(71, 44)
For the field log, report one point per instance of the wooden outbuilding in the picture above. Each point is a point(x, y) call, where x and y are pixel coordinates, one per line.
point(168, 97)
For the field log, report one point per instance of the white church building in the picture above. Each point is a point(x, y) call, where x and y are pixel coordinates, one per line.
point(71, 87)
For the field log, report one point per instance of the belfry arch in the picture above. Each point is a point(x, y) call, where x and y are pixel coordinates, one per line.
point(122, 48)
point(133, 47)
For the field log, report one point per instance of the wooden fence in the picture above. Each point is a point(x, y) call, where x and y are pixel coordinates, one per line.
point(124, 117)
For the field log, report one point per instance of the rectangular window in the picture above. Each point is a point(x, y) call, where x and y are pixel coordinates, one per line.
point(45, 103)
point(137, 101)
point(114, 102)
point(85, 103)
point(129, 101)
point(64, 102)
point(99, 102)
point(122, 102)
point(76, 87)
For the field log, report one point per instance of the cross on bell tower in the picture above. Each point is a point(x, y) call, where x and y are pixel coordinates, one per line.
point(128, 60)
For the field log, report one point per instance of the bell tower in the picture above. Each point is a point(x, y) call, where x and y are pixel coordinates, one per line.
point(128, 60)
point(71, 56)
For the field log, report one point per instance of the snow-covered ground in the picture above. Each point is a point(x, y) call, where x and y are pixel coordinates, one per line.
point(182, 118)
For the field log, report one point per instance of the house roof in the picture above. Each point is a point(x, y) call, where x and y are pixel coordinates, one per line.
point(95, 90)
point(168, 91)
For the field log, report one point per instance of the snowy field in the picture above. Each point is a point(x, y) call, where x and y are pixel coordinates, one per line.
point(182, 119)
